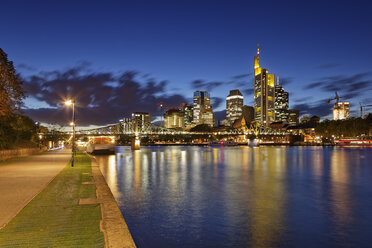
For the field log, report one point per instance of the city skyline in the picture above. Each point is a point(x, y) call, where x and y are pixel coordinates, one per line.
point(179, 57)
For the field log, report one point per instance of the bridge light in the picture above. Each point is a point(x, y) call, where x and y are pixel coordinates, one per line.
point(68, 102)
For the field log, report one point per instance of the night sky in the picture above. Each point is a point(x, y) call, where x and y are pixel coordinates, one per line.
point(117, 57)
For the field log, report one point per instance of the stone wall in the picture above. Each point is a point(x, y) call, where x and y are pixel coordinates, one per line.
point(17, 153)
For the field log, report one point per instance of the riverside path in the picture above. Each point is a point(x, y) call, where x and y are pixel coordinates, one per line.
point(22, 179)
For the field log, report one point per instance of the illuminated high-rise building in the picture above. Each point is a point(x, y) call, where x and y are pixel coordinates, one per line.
point(174, 118)
point(264, 94)
point(187, 110)
point(234, 104)
point(141, 121)
point(281, 103)
point(341, 111)
point(202, 113)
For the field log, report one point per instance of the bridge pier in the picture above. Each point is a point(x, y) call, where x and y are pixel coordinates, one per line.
point(136, 144)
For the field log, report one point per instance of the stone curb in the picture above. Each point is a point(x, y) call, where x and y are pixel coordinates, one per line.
point(113, 225)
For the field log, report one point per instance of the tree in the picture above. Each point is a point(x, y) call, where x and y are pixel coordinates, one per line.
point(11, 94)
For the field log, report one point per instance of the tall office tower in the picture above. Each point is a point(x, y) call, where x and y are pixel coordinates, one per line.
point(264, 94)
point(281, 103)
point(203, 113)
point(141, 121)
point(174, 118)
point(293, 117)
point(248, 113)
point(187, 110)
point(234, 104)
point(341, 111)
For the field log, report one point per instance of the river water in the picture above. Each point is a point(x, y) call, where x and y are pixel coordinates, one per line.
point(244, 197)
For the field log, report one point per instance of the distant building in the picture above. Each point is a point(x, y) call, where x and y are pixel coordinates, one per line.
point(174, 118)
point(341, 111)
point(234, 104)
point(141, 121)
point(264, 94)
point(187, 110)
point(304, 119)
point(293, 117)
point(248, 113)
point(281, 103)
point(202, 113)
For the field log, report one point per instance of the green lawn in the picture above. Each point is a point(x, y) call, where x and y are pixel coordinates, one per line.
point(54, 218)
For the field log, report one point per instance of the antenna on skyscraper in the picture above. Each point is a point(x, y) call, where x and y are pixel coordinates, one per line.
point(258, 48)
point(277, 80)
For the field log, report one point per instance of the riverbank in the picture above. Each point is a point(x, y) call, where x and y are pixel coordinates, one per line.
point(54, 218)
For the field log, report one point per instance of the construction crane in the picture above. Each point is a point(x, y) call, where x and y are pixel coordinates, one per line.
point(337, 98)
point(363, 106)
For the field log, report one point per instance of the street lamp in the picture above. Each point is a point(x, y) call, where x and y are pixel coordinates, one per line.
point(69, 103)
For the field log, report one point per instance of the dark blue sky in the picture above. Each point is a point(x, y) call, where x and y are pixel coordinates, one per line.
point(316, 47)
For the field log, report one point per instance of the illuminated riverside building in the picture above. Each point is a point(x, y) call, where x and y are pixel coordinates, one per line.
point(293, 117)
point(234, 104)
point(341, 111)
point(202, 113)
point(187, 110)
point(281, 103)
point(264, 94)
point(141, 121)
point(174, 118)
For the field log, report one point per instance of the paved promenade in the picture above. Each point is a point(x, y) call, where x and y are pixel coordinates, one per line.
point(21, 180)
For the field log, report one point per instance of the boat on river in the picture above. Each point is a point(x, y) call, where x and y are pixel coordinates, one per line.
point(354, 142)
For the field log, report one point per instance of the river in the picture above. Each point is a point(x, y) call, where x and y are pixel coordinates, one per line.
point(243, 197)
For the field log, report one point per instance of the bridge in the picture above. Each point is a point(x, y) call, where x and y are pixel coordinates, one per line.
point(151, 129)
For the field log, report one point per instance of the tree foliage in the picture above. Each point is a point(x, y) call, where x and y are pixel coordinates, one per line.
point(202, 128)
point(348, 128)
point(11, 94)
point(17, 131)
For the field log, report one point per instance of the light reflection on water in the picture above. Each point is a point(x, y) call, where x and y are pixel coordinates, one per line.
point(244, 197)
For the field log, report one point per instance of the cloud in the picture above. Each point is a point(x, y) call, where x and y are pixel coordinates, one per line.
point(101, 98)
point(348, 87)
point(248, 91)
point(327, 66)
point(320, 108)
point(26, 67)
point(216, 102)
point(219, 115)
point(285, 80)
point(236, 81)
point(242, 76)
point(203, 85)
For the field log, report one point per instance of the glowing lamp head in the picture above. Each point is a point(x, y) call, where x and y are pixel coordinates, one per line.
point(68, 102)
point(72, 124)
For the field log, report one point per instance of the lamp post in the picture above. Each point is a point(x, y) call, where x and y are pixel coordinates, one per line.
point(69, 103)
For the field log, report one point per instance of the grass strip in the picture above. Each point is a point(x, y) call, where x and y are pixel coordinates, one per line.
point(54, 218)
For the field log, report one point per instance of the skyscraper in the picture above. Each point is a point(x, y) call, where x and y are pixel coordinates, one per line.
point(264, 94)
point(188, 110)
point(203, 113)
point(281, 103)
point(234, 104)
point(341, 111)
